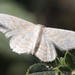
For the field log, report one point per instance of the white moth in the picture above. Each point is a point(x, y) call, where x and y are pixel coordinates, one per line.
point(26, 37)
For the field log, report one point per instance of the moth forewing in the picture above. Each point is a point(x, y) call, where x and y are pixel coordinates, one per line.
point(13, 22)
point(63, 39)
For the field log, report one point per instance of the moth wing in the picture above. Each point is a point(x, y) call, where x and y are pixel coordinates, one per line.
point(23, 34)
point(63, 39)
point(46, 51)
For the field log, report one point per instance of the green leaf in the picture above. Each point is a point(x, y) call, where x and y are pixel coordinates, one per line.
point(51, 73)
point(68, 60)
point(44, 73)
point(38, 67)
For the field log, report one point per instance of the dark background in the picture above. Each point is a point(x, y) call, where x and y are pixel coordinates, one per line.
point(52, 13)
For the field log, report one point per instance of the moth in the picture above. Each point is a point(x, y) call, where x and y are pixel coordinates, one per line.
point(35, 39)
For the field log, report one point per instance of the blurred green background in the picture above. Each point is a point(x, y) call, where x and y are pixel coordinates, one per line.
point(52, 13)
